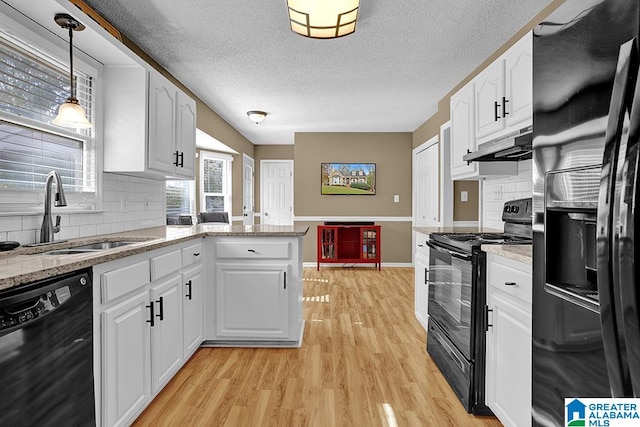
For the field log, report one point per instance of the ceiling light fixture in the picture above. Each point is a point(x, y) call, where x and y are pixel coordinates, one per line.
point(323, 19)
point(256, 116)
point(70, 113)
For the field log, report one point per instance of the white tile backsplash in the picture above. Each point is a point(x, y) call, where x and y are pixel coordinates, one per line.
point(123, 206)
point(496, 191)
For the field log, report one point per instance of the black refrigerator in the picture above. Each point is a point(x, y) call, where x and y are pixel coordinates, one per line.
point(586, 143)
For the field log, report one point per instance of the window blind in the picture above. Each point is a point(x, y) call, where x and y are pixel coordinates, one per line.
point(32, 86)
point(180, 196)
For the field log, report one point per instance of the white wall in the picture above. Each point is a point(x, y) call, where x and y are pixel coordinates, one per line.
point(130, 203)
point(496, 191)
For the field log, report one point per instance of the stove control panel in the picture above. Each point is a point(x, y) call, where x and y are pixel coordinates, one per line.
point(518, 211)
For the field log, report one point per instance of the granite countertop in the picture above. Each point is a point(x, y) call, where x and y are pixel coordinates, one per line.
point(429, 230)
point(522, 253)
point(27, 263)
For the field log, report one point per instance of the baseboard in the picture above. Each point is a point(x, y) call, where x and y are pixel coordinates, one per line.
point(363, 265)
point(257, 344)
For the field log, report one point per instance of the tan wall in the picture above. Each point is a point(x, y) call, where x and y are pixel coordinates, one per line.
point(465, 211)
point(268, 152)
point(391, 152)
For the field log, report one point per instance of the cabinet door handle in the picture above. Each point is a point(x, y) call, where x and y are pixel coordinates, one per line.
point(504, 107)
point(160, 315)
point(175, 163)
point(426, 276)
point(486, 318)
point(285, 279)
point(496, 115)
point(189, 287)
point(510, 283)
point(181, 157)
point(151, 319)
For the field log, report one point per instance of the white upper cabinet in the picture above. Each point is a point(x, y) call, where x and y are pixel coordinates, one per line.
point(495, 104)
point(519, 83)
point(489, 98)
point(463, 138)
point(504, 93)
point(150, 125)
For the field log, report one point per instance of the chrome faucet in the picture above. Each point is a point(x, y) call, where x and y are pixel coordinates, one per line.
point(47, 230)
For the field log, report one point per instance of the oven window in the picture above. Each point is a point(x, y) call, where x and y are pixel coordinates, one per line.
point(450, 280)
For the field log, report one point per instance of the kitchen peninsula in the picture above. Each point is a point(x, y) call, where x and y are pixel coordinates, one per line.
point(161, 293)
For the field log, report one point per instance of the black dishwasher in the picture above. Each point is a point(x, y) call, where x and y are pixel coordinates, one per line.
point(46, 353)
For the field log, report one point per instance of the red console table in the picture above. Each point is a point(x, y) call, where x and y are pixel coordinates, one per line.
point(349, 244)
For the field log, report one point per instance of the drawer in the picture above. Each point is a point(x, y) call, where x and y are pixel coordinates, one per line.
point(121, 281)
point(508, 276)
point(421, 245)
point(191, 254)
point(252, 249)
point(168, 263)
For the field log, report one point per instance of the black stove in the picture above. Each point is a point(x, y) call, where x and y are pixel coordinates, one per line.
point(457, 301)
point(517, 230)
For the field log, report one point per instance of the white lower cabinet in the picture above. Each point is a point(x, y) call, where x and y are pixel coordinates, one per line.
point(252, 301)
point(166, 332)
point(147, 310)
point(508, 370)
point(257, 291)
point(421, 270)
point(193, 309)
point(126, 363)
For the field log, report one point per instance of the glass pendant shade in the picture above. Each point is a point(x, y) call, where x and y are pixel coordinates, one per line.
point(71, 114)
point(323, 19)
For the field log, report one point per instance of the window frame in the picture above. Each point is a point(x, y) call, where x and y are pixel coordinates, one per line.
point(227, 180)
point(36, 40)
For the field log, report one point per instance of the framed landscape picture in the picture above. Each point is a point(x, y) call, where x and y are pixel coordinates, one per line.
point(348, 179)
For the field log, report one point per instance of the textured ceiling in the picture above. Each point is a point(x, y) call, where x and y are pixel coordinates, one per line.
point(240, 55)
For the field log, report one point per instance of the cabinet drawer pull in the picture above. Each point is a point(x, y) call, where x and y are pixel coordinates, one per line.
point(196, 254)
point(510, 283)
point(426, 276)
point(151, 319)
point(189, 287)
point(251, 250)
point(160, 315)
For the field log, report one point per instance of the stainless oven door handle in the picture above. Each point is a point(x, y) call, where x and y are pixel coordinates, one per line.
point(465, 257)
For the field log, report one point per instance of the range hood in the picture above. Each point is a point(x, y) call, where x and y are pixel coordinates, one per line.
point(509, 148)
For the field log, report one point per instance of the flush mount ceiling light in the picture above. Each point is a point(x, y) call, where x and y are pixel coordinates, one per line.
point(256, 116)
point(70, 113)
point(323, 19)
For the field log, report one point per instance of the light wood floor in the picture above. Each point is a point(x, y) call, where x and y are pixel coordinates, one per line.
point(362, 363)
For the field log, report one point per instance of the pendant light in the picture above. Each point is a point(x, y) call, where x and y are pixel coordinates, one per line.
point(323, 19)
point(70, 113)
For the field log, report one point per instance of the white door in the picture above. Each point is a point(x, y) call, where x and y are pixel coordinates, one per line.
point(463, 138)
point(519, 82)
point(163, 155)
point(247, 189)
point(426, 186)
point(193, 307)
point(276, 188)
point(489, 91)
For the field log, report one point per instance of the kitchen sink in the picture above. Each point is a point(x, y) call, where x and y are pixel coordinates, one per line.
point(90, 247)
point(103, 245)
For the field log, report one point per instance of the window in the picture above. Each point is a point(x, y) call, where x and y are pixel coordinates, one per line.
point(215, 182)
point(32, 86)
point(181, 198)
